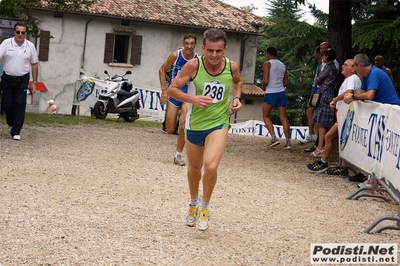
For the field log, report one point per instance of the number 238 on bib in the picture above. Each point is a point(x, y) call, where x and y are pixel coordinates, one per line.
point(214, 90)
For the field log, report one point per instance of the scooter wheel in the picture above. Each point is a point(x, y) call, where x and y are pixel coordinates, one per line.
point(130, 116)
point(99, 110)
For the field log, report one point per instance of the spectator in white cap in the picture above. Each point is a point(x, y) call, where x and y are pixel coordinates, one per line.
point(52, 107)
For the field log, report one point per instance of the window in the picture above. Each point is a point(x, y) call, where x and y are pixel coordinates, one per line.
point(44, 45)
point(123, 48)
point(248, 101)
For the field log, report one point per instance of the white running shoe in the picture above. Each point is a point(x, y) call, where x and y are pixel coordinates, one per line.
point(203, 222)
point(179, 161)
point(192, 216)
point(308, 139)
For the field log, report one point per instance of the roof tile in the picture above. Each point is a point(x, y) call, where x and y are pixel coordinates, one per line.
point(199, 13)
point(251, 89)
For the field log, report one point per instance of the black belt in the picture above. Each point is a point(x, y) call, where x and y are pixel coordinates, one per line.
point(14, 80)
point(14, 77)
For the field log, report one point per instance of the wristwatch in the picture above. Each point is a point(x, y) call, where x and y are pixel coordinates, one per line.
point(35, 82)
point(240, 99)
point(353, 96)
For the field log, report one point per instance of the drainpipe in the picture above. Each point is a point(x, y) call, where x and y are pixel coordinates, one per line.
point(242, 50)
point(84, 47)
point(81, 70)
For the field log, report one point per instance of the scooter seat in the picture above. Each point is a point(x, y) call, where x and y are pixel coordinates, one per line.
point(127, 93)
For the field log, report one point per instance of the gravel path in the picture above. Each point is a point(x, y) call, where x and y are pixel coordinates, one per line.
point(91, 195)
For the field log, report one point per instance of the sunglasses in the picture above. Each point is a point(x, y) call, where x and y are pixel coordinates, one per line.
point(20, 32)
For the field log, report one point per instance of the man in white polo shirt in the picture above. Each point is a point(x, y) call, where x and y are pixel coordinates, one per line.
point(18, 55)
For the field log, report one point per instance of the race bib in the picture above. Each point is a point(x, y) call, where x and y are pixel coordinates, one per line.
point(215, 91)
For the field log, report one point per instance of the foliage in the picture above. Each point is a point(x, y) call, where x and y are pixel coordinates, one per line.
point(376, 30)
point(380, 33)
point(283, 9)
point(250, 8)
point(21, 9)
point(320, 16)
point(375, 9)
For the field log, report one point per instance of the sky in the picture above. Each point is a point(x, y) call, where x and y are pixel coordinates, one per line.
point(261, 5)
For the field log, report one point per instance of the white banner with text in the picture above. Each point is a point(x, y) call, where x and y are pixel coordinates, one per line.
point(258, 128)
point(369, 138)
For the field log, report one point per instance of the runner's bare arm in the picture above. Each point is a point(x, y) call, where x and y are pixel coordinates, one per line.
point(285, 79)
point(187, 74)
point(266, 68)
point(162, 73)
point(236, 87)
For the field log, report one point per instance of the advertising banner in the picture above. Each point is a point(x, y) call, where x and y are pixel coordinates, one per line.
point(258, 128)
point(369, 138)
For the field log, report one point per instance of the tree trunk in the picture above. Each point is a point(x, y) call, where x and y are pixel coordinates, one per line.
point(339, 27)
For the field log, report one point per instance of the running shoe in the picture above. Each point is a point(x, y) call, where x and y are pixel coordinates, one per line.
point(192, 216)
point(179, 161)
point(203, 222)
point(338, 171)
point(308, 139)
point(274, 142)
point(317, 165)
point(287, 146)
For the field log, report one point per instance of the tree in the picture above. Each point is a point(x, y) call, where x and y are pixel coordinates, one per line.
point(376, 31)
point(250, 8)
point(21, 9)
point(320, 16)
point(339, 28)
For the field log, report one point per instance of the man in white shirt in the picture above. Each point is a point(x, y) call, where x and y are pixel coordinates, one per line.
point(18, 56)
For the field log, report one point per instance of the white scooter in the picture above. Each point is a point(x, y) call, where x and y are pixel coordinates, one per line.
point(118, 96)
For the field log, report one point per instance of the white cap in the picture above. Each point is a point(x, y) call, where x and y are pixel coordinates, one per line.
point(50, 101)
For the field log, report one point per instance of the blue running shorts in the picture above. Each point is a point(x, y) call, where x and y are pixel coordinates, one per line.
point(199, 137)
point(175, 102)
point(276, 99)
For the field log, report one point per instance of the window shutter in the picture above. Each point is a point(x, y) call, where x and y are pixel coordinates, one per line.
point(44, 45)
point(109, 48)
point(136, 52)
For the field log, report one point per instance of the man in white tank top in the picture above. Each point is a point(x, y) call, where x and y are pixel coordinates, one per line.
point(274, 84)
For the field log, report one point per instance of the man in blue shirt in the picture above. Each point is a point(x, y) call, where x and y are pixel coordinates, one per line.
point(376, 84)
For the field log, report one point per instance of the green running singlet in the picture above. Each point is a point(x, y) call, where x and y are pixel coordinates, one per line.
point(218, 87)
